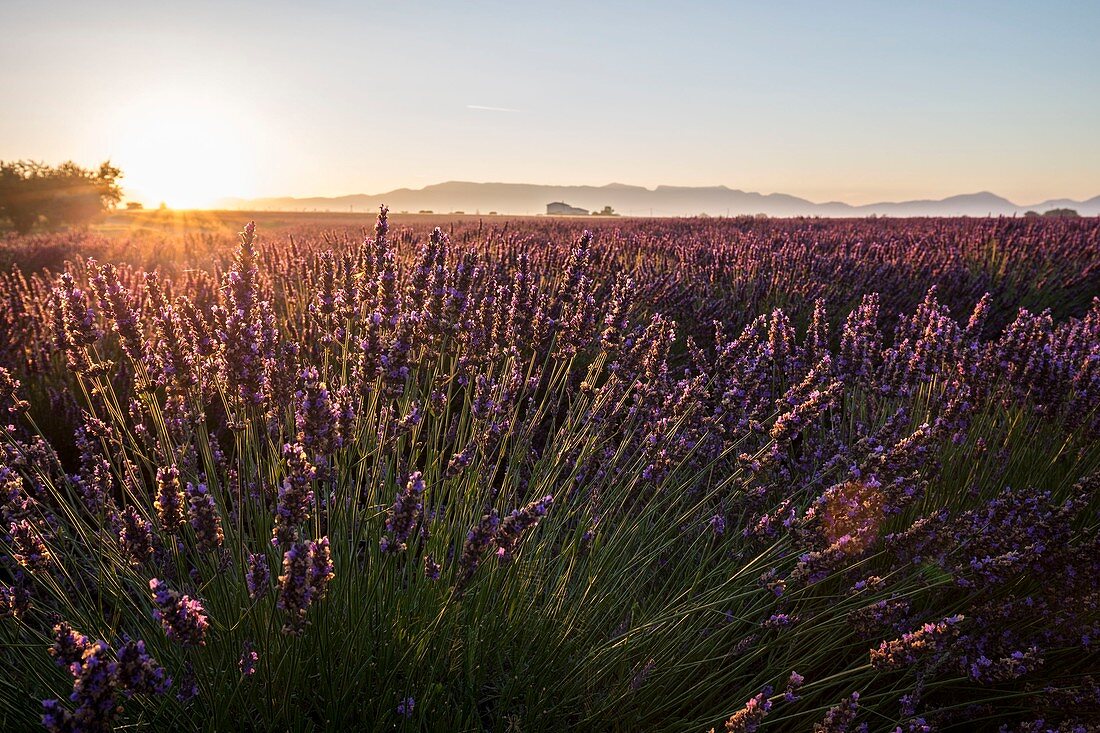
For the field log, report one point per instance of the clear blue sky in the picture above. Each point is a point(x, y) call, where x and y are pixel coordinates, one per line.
point(858, 101)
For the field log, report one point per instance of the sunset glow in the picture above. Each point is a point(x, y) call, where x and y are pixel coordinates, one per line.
point(249, 100)
point(186, 155)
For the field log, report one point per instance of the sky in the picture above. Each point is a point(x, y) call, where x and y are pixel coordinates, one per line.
point(852, 101)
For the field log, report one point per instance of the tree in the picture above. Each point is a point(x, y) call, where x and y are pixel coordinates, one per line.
point(66, 195)
point(1062, 213)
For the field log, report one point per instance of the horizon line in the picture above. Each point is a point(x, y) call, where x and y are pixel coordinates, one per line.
point(658, 187)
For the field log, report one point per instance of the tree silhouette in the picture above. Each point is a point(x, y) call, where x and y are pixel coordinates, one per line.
point(1062, 213)
point(33, 193)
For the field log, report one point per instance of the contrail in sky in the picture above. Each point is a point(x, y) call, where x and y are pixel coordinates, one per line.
point(491, 109)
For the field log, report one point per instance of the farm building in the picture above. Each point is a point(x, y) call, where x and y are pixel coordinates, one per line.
point(560, 208)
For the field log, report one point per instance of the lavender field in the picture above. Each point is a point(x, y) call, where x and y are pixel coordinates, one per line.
point(512, 475)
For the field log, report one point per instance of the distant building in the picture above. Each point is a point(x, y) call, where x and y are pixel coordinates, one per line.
point(560, 208)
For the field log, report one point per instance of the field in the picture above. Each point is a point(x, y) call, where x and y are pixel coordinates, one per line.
point(492, 474)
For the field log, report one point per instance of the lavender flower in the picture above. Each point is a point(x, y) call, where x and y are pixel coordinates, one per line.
point(432, 569)
point(28, 547)
point(717, 524)
point(15, 599)
point(101, 680)
point(779, 621)
point(320, 567)
point(94, 694)
point(74, 325)
point(519, 521)
point(174, 357)
point(840, 717)
point(295, 495)
point(749, 718)
point(477, 543)
point(205, 519)
point(295, 590)
point(258, 576)
point(169, 499)
point(135, 537)
point(68, 646)
point(139, 673)
point(317, 415)
point(10, 401)
point(183, 618)
point(403, 516)
point(248, 660)
point(241, 334)
point(115, 299)
point(793, 684)
point(461, 460)
point(188, 687)
point(904, 651)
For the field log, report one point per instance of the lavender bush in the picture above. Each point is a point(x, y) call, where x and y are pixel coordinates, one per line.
point(737, 475)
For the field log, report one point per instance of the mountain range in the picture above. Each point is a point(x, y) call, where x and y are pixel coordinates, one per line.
point(525, 198)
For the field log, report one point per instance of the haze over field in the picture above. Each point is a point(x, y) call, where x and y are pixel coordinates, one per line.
point(513, 198)
point(859, 102)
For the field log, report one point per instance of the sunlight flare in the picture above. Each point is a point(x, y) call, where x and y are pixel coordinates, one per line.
point(185, 153)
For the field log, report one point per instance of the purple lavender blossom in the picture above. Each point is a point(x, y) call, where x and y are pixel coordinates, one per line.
point(904, 651)
point(101, 681)
point(68, 646)
point(779, 621)
point(74, 325)
point(295, 589)
point(461, 460)
point(320, 567)
point(295, 495)
point(478, 540)
point(28, 547)
point(15, 599)
point(840, 717)
point(135, 537)
point(749, 718)
point(517, 523)
point(94, 694)
point(183, 618)
point(205, 519)
point(403, 516)
point(258, 576)
point(249, 659)
point(173, 358)
point(115, 299)
point(169, 499)
point(139, 673)
point(432, 569)
point(241, 332)
point(793, 684)
point(717, 524)
point(316, 416)
point(188, 685)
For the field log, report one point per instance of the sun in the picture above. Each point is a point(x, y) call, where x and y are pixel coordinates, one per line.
point(185, 153)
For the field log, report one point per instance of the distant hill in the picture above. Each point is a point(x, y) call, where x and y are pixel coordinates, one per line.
point(526, 198)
